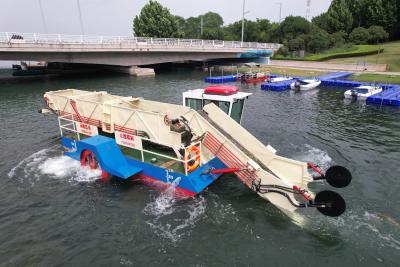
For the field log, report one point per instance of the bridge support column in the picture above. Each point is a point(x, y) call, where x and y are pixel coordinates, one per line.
point(136, 71)
point(132, 70)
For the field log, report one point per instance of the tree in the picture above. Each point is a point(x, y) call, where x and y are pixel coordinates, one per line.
point(264, 28)
point(377, 34)
point(359, 35)
point(338, 17)
point(321, 21)
point(233, 31)
point(192, 28)
point(283, 50)
point(291, 27)
point(357, 9)
point(296, 44)
point(338, 38)
point(319, 40)
point(216, 34)
point(155, 20)
point(181, 24)
point(381, 13)
point(212, 21)
point(212, 26)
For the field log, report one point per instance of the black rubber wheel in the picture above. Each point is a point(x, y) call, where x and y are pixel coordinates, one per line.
point(334, 203)
point(338, 176)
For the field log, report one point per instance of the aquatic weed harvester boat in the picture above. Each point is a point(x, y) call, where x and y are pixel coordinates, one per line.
point(190, 145)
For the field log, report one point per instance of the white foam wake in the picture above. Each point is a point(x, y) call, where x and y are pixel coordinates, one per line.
point(377, 230)
point(171, 218)
point(49, 163)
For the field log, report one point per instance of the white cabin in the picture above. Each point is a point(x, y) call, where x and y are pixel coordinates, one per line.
point(228, 98)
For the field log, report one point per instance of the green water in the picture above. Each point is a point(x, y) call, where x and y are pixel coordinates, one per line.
point(54, 213)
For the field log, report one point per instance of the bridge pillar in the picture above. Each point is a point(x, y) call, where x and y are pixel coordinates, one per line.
point(132, 70)
point(136, 71)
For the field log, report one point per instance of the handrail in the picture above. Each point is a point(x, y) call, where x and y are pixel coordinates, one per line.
point(130, 41)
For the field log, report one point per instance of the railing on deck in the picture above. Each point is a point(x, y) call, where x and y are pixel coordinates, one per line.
point(60, 39)
point(67, 124)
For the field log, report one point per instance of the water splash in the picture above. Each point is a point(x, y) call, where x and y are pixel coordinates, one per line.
point(48, 162)
point(163, 204)
point(315, 156)
point(171, 218)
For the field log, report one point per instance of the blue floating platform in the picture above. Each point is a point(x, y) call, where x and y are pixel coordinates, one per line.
point(390, 96)
point(335, 75)
point(277, 87)
point(341, 83)
point(221, 79)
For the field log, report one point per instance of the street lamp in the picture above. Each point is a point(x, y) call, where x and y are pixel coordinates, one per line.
point(280, 10)
point(201, 26)
point(80, 17)
point(244, 13)
point(42, 15)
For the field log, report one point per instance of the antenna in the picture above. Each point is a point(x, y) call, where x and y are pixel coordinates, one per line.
point(308, 12)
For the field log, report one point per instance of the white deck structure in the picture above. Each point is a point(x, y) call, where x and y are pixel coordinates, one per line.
point(217, 134)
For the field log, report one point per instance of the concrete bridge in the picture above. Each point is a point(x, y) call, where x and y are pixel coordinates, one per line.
point(125, 52)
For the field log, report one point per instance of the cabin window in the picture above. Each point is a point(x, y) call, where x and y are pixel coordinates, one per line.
point(193, 103)
point(221, 104)
point(237, 109)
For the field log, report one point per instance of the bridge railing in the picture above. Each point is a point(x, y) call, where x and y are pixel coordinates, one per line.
point(60, 39)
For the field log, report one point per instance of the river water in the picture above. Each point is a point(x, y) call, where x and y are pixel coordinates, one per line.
point(53, 212)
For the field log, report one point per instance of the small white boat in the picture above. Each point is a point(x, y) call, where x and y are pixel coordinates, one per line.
point(280, 79)
point(362, 92)
point(305, 85)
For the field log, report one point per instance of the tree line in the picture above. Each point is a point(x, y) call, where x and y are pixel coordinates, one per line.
point(346, 22)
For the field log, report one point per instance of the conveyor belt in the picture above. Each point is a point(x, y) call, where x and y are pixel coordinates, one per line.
point(233, 140)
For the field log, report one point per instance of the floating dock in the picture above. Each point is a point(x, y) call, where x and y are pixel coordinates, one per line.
point(335, 76)
point(221, 79)
point(278, 86)
point(390, 96)
point(342, 83)
point(328, 79)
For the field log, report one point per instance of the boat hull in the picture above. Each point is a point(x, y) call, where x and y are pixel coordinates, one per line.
point(349, 94)
point(306, 87)
point(146, 172)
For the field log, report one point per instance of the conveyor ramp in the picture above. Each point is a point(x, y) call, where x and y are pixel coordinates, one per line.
point(245, 142)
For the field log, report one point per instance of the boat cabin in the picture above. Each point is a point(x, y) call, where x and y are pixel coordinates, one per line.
point(226, 97)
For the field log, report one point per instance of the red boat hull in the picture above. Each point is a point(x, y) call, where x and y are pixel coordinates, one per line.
point(256, 80)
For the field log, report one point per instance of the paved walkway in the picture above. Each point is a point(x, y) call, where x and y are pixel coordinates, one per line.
point(312, 65)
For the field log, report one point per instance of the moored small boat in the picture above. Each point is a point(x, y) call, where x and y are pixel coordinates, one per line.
point(305, 85)
point(279, 79)
point(252, 77)
point(362, 92)
point(25, 69)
